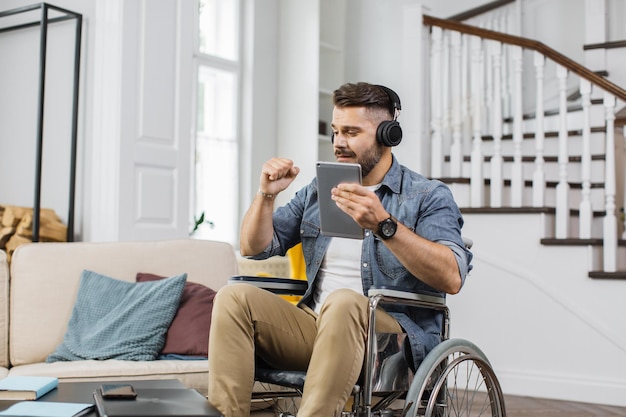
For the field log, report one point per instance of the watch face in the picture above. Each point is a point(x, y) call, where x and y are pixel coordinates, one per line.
point(388, 228)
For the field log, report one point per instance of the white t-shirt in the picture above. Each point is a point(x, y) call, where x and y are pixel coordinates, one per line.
point(341, 267)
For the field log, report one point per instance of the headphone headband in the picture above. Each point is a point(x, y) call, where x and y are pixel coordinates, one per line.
point(393, 98)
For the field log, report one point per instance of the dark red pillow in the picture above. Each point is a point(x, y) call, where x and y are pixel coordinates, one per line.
point(189, 332)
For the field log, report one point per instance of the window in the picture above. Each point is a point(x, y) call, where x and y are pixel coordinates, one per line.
point(217, 124)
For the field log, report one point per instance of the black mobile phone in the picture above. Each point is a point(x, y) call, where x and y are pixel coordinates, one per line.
point(118, 392)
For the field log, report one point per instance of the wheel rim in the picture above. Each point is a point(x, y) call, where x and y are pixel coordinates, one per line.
point(467, 387)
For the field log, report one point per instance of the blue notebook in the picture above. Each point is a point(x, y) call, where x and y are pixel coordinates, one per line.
point(26, 387)
point(46, 409)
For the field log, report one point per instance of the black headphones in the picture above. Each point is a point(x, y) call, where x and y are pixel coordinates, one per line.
point(389, 132)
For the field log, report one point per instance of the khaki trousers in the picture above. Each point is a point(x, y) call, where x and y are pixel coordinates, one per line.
point(249, 322)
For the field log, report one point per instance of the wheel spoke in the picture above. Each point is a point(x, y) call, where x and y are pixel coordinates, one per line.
point(466, 390)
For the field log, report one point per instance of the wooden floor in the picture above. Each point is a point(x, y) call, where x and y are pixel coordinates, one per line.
point(540, 407)
point(517, 406)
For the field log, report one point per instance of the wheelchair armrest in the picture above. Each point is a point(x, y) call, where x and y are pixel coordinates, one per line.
point(401, 294)
point(284, 286)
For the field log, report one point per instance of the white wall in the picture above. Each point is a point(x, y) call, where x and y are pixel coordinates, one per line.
point(390, 53)
point(548, 329)
point(448, 8)
point(259, 99)
point(18, 109)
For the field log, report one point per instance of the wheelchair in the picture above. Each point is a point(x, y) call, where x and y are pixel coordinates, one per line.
point(455, 379)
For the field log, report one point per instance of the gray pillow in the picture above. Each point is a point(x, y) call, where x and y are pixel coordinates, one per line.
point(115, 319)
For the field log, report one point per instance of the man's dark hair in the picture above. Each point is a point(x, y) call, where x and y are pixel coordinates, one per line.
point(363, 95)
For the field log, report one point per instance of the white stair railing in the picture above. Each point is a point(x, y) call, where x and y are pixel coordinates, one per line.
point(470, 94)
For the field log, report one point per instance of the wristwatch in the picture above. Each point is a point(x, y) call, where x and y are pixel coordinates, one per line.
point(387, 228)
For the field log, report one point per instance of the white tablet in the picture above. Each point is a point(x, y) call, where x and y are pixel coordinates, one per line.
point(333, 221)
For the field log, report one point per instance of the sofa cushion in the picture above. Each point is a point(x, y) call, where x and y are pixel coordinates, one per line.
point(114, 319)
point(189, 332)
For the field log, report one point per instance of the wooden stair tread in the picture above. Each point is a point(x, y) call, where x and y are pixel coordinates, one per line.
point(507, 210)
point(554, 112)
point(527, 183)
point(577, 242)
point(548, 133)
point(531, 158)
point(607, 275)
point(523, 210)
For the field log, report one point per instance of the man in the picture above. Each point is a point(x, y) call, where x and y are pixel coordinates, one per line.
point(412, 239)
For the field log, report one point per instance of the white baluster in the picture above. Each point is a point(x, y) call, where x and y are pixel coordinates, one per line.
point(562, 189)
point(497, 181)
point(445, 97)
point(539, 175)
point(476, 159)
point(465, 101)
point(487, 87)
point(622, 155)
point(435, 102)
point(505, 76)
point(585, 166)
point(456, 148)
point(517, 173)
point(610, 220)
point(623, 210)
point(505, 20)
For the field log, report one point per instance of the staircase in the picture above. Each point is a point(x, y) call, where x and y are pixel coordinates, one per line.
point(517, 127)
point(532, 145)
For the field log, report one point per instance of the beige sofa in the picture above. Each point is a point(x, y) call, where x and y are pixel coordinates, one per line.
point(37, 301)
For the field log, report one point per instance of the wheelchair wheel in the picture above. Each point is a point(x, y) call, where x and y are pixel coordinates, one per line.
point(455, 380)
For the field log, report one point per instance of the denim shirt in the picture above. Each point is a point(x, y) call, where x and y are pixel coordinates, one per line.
point(425, 206)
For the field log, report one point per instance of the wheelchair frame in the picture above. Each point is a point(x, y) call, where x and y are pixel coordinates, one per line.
point(429, 393)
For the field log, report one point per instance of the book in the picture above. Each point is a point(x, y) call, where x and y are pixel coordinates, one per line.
point(46, 409)
point(26, 387)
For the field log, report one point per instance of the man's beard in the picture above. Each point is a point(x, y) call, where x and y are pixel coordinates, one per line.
point(370, 158)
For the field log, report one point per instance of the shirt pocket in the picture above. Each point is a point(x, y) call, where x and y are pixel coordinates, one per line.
point(309, 233)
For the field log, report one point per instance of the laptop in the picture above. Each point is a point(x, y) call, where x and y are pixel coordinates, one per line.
point(157, 402)
point(333, 221)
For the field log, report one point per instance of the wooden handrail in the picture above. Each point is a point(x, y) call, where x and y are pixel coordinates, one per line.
point(534, 45)
point(477, 11)
point(605, 45)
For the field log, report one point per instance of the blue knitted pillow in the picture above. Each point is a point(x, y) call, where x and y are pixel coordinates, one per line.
point(115, 319)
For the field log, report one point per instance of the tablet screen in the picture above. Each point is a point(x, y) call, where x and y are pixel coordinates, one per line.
point(333, 221)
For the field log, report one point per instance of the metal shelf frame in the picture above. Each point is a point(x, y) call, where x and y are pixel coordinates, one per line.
point(43, 22)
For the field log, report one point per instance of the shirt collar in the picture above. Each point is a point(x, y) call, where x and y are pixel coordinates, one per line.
point(393, 177)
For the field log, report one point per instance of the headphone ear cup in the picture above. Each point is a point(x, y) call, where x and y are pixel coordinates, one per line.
point(389, 133)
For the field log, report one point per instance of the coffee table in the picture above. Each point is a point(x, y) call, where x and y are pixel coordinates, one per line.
point(82, 392)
